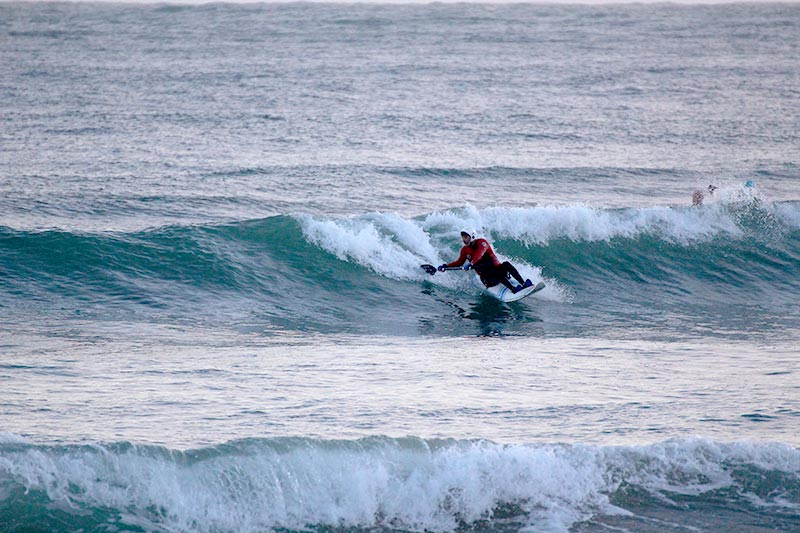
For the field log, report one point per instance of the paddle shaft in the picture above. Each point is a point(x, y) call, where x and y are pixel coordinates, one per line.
point(430, 269)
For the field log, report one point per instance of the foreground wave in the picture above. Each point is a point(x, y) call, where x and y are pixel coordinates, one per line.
point(406, 484)
point(303, 272)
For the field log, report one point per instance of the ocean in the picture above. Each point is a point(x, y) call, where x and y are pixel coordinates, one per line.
point(213, 316)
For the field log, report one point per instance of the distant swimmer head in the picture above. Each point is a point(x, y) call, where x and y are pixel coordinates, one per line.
point(711, 189)
point(467, 235)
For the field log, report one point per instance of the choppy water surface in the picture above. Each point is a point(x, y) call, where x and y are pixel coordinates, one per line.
point(212, 316)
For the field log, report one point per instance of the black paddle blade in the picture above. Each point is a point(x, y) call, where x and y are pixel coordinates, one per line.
point(430, 269)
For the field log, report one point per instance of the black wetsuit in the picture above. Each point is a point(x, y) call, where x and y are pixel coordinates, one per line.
point(491, 275)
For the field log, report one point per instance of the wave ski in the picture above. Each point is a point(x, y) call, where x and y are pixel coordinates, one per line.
point(499, 291)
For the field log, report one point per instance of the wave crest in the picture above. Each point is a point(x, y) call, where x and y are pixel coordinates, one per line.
point(662, 258)
point(410, 483)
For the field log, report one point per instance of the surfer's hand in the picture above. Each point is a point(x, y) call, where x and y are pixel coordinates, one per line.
point(442, 267)
point(467, 266)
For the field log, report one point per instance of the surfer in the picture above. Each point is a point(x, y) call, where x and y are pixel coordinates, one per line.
point(698, 196)
point(477, 254)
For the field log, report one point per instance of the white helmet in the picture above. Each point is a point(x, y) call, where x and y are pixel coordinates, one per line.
point(469, 231)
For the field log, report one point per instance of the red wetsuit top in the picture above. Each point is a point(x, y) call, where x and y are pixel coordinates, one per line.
point(480, 254)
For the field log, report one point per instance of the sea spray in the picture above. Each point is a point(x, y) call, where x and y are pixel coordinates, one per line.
point(409, 484)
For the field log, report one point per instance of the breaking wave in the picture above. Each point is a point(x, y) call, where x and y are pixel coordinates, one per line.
point(377, 482)
point(312, 272)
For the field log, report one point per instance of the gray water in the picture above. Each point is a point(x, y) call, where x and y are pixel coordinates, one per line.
point(212, 316)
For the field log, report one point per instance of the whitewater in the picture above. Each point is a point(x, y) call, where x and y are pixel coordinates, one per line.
point(213, 316)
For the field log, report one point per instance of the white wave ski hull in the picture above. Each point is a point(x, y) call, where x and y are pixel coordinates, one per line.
point(504, 294)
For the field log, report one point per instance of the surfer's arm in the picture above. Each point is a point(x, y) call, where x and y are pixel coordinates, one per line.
point(483, 247)
point(461, 258)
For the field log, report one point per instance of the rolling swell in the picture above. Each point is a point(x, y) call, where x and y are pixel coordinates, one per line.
point(185, 272)
point(396, 484)
point(303, 272)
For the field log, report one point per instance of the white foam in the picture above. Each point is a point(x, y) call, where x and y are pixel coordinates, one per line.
point(377, 482)
point(395, 247)
point(387, 244)
point(360, 240)
point(735, 193)
point(541, 225)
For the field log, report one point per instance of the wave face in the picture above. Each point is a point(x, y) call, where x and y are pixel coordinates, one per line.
point(739, 261)
point(395, 484)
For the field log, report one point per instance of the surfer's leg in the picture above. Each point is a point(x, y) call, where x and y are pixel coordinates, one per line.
point(497, 275)
point(507, 282)
point(509, 268)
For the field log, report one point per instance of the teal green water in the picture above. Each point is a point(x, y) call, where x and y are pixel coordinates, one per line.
point(212, 312)
point(610, 269)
